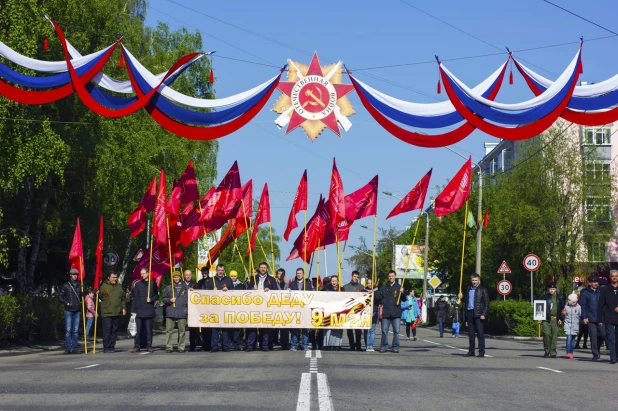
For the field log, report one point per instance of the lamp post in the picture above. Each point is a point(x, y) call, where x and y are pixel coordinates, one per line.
point(366, 253)
point(386, 238)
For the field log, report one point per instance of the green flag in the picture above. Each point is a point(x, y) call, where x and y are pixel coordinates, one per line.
point(471, 222)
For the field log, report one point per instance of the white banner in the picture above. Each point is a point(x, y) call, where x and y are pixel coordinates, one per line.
point(204, 244)
point(279, 309)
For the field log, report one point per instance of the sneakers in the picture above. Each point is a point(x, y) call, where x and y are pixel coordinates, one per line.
point(415, 338)
point(370, 349)
point(457, 336)
point(569, 356)
point(293, 349)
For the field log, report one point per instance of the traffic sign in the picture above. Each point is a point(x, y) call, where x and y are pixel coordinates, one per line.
point(504, 268)
point(110, 259)
point(532, 262)
point(504, 287)
point(434, 282)
point(139, 255)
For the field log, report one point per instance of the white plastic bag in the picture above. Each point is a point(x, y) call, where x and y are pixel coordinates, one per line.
point(132, 328)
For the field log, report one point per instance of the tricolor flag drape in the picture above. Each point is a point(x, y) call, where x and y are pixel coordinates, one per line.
point(299, 204)
point(456, 192)
point(137, 219)
point(76, 254)
point(415, 199)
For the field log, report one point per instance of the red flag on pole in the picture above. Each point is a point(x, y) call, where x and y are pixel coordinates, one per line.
point(316, 227)
point(362, 202)
point(415, 199)
point(262, 216)
point(137, 219)
point(336, 197)
point(300, 203)
point(98, 273)
point(76, 254)
point(235, 208)
point(245, 208)
point(160, 227)
point(486, 219)
point(224, 199)
point(160, 263)
point(184, 191)
point(456, 192)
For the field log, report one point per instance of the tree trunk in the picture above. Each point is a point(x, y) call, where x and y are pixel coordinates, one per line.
point(36, 238)
point(125, 261)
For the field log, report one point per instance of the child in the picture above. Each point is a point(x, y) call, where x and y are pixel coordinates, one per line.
point(572, 313)
point(456, 317)
point(90, 310)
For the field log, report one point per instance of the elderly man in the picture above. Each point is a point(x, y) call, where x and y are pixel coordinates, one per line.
point(194, 332)
point(176, 303)
point(589, 300)
point(70, 297)
point(112, 299)
point(142, 304)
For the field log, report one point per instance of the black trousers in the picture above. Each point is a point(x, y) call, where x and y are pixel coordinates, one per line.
point(144, 332)
point(236, 335)
point(110, 331)
point(597, 336)
point(355, 343)
point(284, 338)
point(408, 328)
point(475, 325)
point(194, 338)
point(206, 338)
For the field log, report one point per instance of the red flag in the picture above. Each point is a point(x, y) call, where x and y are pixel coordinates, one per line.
point(160, 262)
point(76, 254)
point(159, 229)
point(98, 273)
point(137, 219)
point(245, 209)
point(456, 192)
point(415, 199)
point(316, 227)
point(300, 203)
point(236, 208)
point(192, 227)
point(486, 219)
point(224, 200)
point(184, 191)
point(262, 216)
point(362, 202)
point(336, 198)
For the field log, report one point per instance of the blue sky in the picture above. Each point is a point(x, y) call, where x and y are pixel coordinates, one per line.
point(366, 34)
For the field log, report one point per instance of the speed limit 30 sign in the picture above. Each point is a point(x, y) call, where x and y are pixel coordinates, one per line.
point(532, 262)
point(504, 287)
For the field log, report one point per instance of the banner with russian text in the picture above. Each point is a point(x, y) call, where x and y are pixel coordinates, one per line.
point(279, 309)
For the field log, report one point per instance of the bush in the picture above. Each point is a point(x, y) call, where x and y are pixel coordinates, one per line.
point(512, 317)
point(25, 318)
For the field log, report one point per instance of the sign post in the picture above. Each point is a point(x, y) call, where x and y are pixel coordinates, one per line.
point(504, 269)
point(504, 287)
point(532, 263)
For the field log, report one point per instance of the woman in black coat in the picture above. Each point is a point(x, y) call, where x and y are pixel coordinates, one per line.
point(442, 310)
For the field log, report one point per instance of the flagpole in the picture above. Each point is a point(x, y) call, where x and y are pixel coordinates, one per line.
point(257, 237)
point(81, 263)
point(244, 213)
point(373, 258)
point(272, 248)
point(318, 267)
point(418, 220)
point(337, 243)
point(325, 262)
point(96, 316)
point(305, 254)
point(150, 264)
point(169, 244)
point(463, 248)
point(345, 243)
point(241, 259)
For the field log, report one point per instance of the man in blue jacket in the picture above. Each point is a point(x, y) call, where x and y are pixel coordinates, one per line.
point(589, 300)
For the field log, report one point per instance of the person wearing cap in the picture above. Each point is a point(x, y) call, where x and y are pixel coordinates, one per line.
point(176, 310)
point(476, 302)
point(112, 299)
point(608, 313)
point(572, 314)
point(236, 333)
point(222, 283)
point(142, 305)
point(589, 301)
point(441, 309)
point(70, 297)
point(554, 317)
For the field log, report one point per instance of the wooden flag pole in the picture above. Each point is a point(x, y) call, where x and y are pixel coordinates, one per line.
point(81, 263)
point(305, 254)
point(241, 259)
point(272, 248)
point(338, 266)
point(318, 267)
point(345, 243)
point(418, 220)
point(373, 258)
point(257, 237)
point(244, 212)
point(96, 316)
point(463, 249)
point(169, 244)
point(150, 265)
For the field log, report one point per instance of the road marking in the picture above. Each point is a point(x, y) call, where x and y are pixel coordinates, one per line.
point(144, 353)
point(549, 369)
point(87, 366)
point(318, 354)
point(431, 342)
point(304, 393)
point(324, 400)
point(454, 348)
point(308, 354)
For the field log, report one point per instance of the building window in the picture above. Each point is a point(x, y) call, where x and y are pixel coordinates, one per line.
point(597, 173)
point(596, 252)
point(597, 136)
point(598, 209)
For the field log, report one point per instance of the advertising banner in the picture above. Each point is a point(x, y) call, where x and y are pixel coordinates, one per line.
point(279, 309)
point(415, 268)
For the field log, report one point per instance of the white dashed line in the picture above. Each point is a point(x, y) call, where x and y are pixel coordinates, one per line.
point(304, 393)
point(454, 348)
point(308, 354)
point(324, 400)
point(87, 366)
point(144, 353)
point(549, 369)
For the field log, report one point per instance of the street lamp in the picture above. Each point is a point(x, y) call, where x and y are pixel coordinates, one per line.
point(386, 238)
point(426, 251)
point(366, 253)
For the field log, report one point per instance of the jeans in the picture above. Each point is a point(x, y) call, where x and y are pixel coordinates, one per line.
point(169, 331)
point(355, 343)
point(455, 328)
point(89, 322)
point(144, 332)
point(597, 333)
point(110, 332)
point(386, 323)
point(475, 325)
point(611, 331)
point(370, 335)
point(441, 328)
point(294, 338)
point(71, 322)
point(570, 343)
point(225, 336)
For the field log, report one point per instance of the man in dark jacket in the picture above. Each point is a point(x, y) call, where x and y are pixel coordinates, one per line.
point(354, 335)
point(553, 312)
point(388, 296)
point(206, 336)
point(142, 305)
point(299, 283)
point(281, 336)
point(176, 302)
point(223, 283)
point(236, 333)
point(476, 303)
point(70, 297)
point(608, 313)
point(263, 282)
point(441, 309)
point(194, 332)
point(112, 299)
point(589, 301)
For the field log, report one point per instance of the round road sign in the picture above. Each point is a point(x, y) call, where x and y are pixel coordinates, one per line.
point(110, 259)
point(532, 262)
point(504, 287)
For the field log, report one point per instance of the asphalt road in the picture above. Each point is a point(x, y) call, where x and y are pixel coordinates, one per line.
point(429, 374)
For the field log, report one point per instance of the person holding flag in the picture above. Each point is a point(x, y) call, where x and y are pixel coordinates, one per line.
point(70, 297)
point(176, 303)
point(142, 305)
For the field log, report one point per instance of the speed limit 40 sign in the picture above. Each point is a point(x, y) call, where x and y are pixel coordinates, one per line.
point(532, 262)
point(504, 287)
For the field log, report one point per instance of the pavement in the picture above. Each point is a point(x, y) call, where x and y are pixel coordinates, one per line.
point(430, 373)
